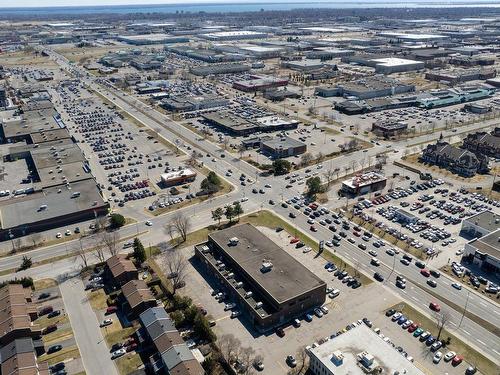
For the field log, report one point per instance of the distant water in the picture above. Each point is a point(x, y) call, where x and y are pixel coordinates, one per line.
point(245, 7)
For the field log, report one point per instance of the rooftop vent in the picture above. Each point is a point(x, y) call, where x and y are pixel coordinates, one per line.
point(233, 241)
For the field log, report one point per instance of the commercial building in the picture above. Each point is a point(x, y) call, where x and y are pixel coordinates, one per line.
point(233, 35)
point(214, 69)
point(259, 83)
point(120, 270)
point(484, 143)
point(303, 66)
point(367, 88)
point(363, 183)
point(236, 125)
point(454, 159)
point(268, 285)
point(456, 95)
point(388, 129)
point(405, 217)
point(328, 53)
point(277, 95)
point(480, 224)
point(182, 103)
point(385, 65)
point(179, 177)
point(145, 39)
point(282, 147)
point(359, 351)
point(455, 76)
point(171, 354)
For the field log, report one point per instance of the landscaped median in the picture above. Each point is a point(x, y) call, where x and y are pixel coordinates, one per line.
point(471, 356)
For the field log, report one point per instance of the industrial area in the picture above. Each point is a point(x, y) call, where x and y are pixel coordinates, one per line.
point(300, 191)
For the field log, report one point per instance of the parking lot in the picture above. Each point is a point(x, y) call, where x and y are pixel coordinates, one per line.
point(344, 308)
point(57, 333)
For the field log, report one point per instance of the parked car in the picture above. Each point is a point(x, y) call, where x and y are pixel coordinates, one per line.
point(53, 314)
point(54, 348)
point(106, 322)
point(291, 361)
point(118, 353)
point(49, 329)
point(111, 310)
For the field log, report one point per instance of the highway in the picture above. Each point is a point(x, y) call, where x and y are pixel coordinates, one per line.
point(415, 293)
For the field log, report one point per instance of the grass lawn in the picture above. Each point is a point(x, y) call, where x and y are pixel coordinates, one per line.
point(268, 219)
point(44, 321)
point(118, 334)
point(70, 352)
point(59, 335)
point(97, 299)
point(128, 363)
point(44, 283)
point(471, 356)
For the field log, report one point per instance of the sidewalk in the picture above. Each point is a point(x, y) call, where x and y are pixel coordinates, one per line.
point(93, 349)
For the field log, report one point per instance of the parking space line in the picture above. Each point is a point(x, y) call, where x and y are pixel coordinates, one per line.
point(283, 367)
point(466, 332)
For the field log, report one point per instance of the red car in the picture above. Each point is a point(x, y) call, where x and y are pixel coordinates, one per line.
point(425, 273)
point(313, 228)
point(435, 306)
point(131, 347)
point(357, 234)
point(49, 329)
point(111, 310)
point(412, 327)
point(294, 240)
point(457, 360)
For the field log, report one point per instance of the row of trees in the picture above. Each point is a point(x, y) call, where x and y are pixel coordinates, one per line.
point(230, 212)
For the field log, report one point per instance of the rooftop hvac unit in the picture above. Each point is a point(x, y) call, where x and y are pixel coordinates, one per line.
point(233, 241)
point(266, 267)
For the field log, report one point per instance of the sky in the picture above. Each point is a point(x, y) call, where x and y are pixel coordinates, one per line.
point(47, 3)
point(50, 3)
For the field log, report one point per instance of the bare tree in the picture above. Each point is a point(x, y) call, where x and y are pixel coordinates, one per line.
point(192, 159)
point(329, 173)
point(81, 254)
point(98, 252)
point(306, 159)
point(171, 230)
point(182, 225)
point(246, 359)
point(36, 238)
point(229, 346)
point(110, 241)
point(442, 319)
point(302, 362)
point(225, 142)
point(176, 264)
point(100, 223)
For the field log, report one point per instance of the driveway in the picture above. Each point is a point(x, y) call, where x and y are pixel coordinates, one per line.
point(93, 348)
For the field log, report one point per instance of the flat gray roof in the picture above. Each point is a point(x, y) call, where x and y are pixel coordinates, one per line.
point(287, 279)
point(489, 244)
point(356, 341)
point(486, 220)
point(283, 142)
point(25, 210)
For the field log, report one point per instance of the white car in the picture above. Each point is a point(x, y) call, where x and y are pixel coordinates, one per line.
point(437, 357)
point(106, 322)
point(457, 286)
point(235, 314)
point(449, 356)
point(58, 235)
point(118, 353)
point(67, 233)
point(149, 223)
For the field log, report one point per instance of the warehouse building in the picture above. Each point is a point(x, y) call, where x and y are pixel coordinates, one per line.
point(269, 286)
point(182, 103)
point(282, 147)
point(233, 35)
point(304, 66)
point(259, 83)
point(367, 88)
point(385, 65)
point(145, 39)
point(214, 69)
point(456, 95)
point(455, 76)
point(363, 184)
point(358, 351)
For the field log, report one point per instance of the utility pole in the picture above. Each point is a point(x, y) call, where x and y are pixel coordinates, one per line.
point(465, 308)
